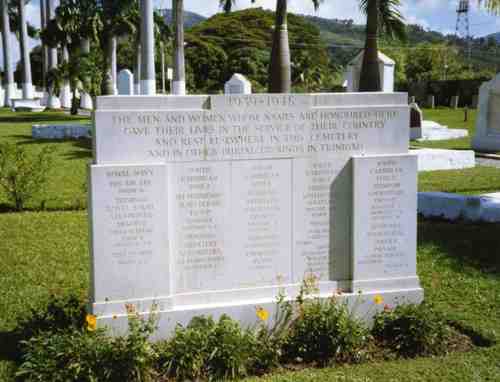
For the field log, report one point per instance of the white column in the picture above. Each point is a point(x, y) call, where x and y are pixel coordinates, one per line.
point(148, 77)
point(85, 98)
point(179, 81)
point(114, 44)
point(65, 89)
point(53, 101)
point(9, 85)
point(25, 53)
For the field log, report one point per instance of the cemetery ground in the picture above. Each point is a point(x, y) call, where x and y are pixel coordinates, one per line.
point(44, 252)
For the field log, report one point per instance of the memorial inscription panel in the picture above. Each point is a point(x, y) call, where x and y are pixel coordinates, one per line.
point(385, 217)
point(129, 231)
point(222, 199)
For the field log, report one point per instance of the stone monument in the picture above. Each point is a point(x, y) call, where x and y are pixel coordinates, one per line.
point(210, 205)
point(125, 82)
point(386, 68)
point(487, 136)
point(238, 84)
point(416, 118)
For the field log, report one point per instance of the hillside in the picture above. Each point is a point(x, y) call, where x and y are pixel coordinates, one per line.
point(190, 18)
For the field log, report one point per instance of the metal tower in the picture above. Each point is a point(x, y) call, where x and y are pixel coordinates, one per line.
point(463, 27)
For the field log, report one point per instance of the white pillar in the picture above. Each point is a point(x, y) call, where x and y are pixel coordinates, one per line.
point(148, 77)
point(179, 81)
point(25, 53)
point(85, 98)
point(65, 89)
point(114, 44)
point(53, 101)
point(9, 85)
point(137, 70)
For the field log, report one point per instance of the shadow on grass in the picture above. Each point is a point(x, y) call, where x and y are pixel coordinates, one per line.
point(474, 244)
point(83, 145)
point(6, 208)
point(11, 346)
point(40, 117)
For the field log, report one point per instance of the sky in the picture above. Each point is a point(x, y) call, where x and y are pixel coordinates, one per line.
point(439, 15)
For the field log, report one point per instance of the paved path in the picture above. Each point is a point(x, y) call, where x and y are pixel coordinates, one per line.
point(488, 162)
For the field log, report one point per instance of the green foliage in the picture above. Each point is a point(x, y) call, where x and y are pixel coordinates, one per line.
point(240, 42)
point(60, 314)
point(206, 348)
point(413, 330)
point(325, 331)
point(79, 355)
point(22, 174)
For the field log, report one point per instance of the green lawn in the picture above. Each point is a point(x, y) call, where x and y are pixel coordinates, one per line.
point(66, 187)
point(454, 119)
point(44, 253)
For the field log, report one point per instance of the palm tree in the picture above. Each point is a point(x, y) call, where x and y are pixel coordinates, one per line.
point(80, 20)
point(162, 33)
point(280, 67)
point(25, 55)
point(117, 20)
point(383, 16)
point(179, 82)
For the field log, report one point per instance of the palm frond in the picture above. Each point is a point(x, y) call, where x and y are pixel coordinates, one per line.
point(391, 21)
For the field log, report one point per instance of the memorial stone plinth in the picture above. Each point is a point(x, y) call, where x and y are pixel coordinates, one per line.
point(216, 204)
point(487, 137)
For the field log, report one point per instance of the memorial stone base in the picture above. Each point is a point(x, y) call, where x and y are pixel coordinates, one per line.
point(210, 205)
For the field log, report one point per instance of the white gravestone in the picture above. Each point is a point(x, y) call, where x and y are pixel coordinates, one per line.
point(125, 82)
point(215, 204)
point(386, 70)
point(487, 136)
point(238, 84)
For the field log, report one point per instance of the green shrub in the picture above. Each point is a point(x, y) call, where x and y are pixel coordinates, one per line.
point(185, 355)
point(209, 349)
point(22, 175)
point(412, 330)
point(82, 355)
point(324, 331)
point(60, 314)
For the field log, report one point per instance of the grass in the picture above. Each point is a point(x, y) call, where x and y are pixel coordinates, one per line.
point(459, 267)
point(454, 119)
point(66, 186)
point(472, 181)
point(44, 253)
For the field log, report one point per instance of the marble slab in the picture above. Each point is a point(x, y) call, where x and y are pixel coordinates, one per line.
point(384, 240)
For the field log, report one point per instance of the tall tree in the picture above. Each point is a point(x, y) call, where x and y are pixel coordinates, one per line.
point(25, 55)
point(179, 82)
point(117, 20)
point(280, 67)
point(381, 16)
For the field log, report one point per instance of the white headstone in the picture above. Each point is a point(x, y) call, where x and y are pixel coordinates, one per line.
point(215, 204)
point(238, 84)
point(125, 82)
point(487, 136)
point(386, 69)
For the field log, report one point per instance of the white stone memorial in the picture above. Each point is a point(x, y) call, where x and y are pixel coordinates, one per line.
point(204, 205)
point(238, 84)
point(386, 69)
point(125, 82)
point(487, 136)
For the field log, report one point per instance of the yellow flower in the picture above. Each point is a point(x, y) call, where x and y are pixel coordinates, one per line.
point(91, 322)
point(262, 314)
point(378, 299)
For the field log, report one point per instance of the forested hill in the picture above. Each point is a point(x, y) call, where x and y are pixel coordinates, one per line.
point(345, 32)
point(190, 18)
